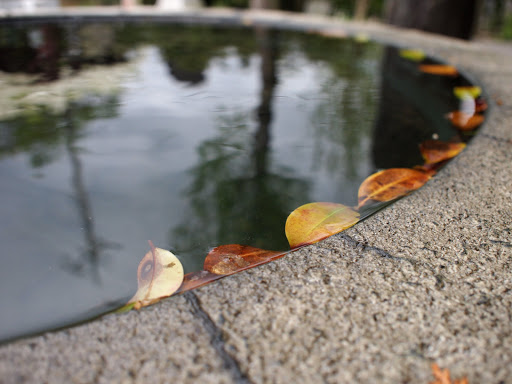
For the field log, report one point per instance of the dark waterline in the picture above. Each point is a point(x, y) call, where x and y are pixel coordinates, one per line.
point(212, 137)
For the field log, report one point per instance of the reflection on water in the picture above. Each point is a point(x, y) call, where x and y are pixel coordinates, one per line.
point(210, 136)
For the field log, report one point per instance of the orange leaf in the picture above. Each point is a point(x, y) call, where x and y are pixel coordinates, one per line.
point(159, 275)
point(442, 376)
point(197, 279)
point(435, 151)
point(315, 221)
point(390, 184)
point(229, 259)
point(465, 121)
point(439, 69)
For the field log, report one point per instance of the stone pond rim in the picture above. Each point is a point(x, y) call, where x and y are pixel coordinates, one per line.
point(440, 272)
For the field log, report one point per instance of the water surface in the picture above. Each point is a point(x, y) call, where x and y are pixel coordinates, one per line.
point(192, 137)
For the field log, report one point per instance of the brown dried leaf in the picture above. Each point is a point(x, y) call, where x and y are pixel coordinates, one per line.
point(232, 258)
point(197, 279)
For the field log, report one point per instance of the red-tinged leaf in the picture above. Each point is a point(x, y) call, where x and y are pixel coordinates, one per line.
point(197, 279)
point(159, 275)
point(232, 258)
point(480, 105)
point(464, 121)
point(430, 169)
point(315, 221)
point(435, 151)
point(439, 69)
point(391, 184)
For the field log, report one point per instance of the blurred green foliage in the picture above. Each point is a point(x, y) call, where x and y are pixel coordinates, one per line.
point(506, 31)
point(347, 7)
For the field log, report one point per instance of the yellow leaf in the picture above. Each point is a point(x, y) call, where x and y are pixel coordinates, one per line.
point(412, 54)
point(472, 91)
point(159, 275)
point(315, 221)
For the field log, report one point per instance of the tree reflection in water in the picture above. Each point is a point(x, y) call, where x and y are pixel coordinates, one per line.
point(234, 196)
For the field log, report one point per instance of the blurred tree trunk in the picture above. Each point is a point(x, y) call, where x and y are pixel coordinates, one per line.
point(361, 9)
point(498, 15)
point(264, 4)
point(456, 18)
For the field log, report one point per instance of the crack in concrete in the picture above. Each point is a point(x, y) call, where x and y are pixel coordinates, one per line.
point(381, 252)
point(217, 341)
point(500, 242)
point(440, 279)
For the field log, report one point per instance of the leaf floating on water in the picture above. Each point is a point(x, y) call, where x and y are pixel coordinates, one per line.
point(480, 105)
point(472, 91)
point(315, 221)
point(464, 121)
point(197, 279)
point(159, 275)
point(229, 259)
point(435, 151)
point(391, 184)
point(439, 69)
point(412, 54)
point(442, 376)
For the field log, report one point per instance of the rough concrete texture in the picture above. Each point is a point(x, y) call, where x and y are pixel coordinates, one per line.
point(428, 279)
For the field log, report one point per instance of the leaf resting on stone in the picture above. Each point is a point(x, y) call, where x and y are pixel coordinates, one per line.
point(232, 258)
point(315, 221)
point(439, 69)
point(159, 275)
point(435, 151)
point(391, 184)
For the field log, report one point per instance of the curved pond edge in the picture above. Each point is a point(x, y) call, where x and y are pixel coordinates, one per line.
point(420, 246)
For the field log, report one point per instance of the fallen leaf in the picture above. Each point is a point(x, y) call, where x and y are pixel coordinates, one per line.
point(464, 121)
point(159, 275)
point(412, 54)
point(442, 376)
point(480, 105)
point(232, 258)
point(435, 151)
point(439, 69)
point(390, 184)
point(315, 221)
point(197, 279)
point(472, 91)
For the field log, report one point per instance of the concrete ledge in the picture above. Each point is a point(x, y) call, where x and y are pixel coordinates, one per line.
point(429, 279)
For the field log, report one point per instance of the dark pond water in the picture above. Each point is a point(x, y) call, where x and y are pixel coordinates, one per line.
point(193, 137)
